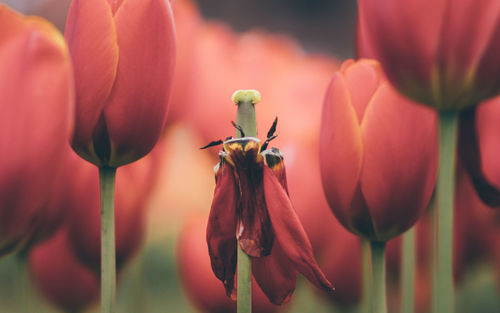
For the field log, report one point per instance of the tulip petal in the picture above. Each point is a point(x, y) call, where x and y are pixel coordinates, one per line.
point(275, 275)
point(221, 228)
point(138, 103)
point(91, 37)
point(340, 149)
point(289, 232)
point(400, 160)
point(476, 147)
point(396, 30)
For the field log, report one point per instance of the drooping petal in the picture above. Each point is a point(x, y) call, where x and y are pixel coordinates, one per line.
point(91, 36)
point(221, 228)
point(471, 150)
point(400, 160)
point(137, 108)
point(276, 275)
point(289, 232)
point(341, 149)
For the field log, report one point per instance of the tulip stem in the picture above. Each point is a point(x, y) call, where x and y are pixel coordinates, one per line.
point(443, 221)
point(408, 272)
point(244, 290)
point(108, 259)
point(379, 302)
point(367, 275)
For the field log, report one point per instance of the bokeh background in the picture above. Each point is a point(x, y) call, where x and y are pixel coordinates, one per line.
point(288, 49)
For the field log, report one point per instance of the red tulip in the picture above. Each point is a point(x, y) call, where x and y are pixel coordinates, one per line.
point(60, 277)
point(442, 53)
point(36, 105)
point(123, 54)
point(202, 287)
point(479, 149)
point(251, 207)
point(377, 153)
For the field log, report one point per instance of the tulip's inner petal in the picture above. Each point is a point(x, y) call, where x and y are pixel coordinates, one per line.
point(289, 232)
point(362, 79)
point(254, 233)
point(275, 275)
point(91, 36)
point(400, 160)
point(137, 107)
point(341, 148)
point(487, 83)
point(221, 228)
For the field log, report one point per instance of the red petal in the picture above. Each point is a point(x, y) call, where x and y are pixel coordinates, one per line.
point(221, 228)
point(289, 231)
point(138, 103)
point(476, 145)
point(91, 36)
point(400, 160)
point(275, 275)
point(340, 149)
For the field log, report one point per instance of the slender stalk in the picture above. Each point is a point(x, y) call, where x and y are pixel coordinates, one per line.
point(244, 304)
point(367, 275)
point(408, 272)
point(23, 283)
point(379, 302)
point(246, 120)
point(443, 223)
point(108, 258)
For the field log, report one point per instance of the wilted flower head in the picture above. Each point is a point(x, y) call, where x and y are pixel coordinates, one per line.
point(251, 207)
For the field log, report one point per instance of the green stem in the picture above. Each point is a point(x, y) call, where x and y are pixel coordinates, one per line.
point(24, 283)
point(443, 223)
point(379, 302)
point(408, 272)
point(367, 274)
point(108, 258)
point(246, 119)
point(244, 289)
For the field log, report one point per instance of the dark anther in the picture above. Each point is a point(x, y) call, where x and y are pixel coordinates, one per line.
point(238, 127)
point(271, 131)
point(212, 144)
point(227, 138)
point(266, 143)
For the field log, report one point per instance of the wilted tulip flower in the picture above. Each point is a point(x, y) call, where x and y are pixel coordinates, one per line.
point(251, 207)
point(60, 277)
point(36, 101)
point(123, 54)
point(377, 153)
point(479, 135)
point(200, 284)
point(441, 53)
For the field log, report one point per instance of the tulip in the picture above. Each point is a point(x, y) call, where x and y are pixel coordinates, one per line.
point(203, 289)
point(442, 54)
point(377, 153)
point(251, 208)
point(36, 101)
point(123, 54)
point(59, 276)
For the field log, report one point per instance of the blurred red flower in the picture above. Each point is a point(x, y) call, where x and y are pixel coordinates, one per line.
point(36, 105)
point(377, 153)
point(124, 55)
point(442, 53)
